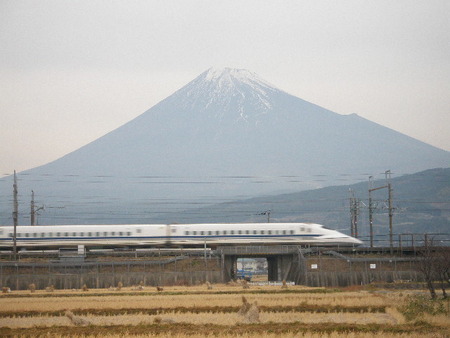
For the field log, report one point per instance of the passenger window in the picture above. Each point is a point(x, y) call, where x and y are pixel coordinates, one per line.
point(129, 233)
point(202, 233)
point(138, 231)
point(209, 233)
point(194, 233)
point(186, 233)
point(58, 234)
point(90, 234)
point(66, 234)
point(232, 232)
point(121, 233)
point(105, 234)
point(292, 232)
point(269, 232)
point(74, 234)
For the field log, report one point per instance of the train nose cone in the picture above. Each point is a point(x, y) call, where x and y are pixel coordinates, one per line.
point(356, 241)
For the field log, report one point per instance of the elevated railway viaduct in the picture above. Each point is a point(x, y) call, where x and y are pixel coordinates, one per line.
point(329, 267)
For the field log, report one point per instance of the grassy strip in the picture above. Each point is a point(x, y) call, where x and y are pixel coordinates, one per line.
point(70, 293)
point(201, 309)
point(216, 330)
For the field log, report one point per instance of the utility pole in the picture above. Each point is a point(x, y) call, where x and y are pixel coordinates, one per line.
point(354, 211)
point(15, 216)
point(391, 211)
point(370, 211)
point(32, 212)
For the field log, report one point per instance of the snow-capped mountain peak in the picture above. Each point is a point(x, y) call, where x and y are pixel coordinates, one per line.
point(220, 90)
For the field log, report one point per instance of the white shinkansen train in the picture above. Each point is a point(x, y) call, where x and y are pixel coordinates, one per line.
point(188, 235)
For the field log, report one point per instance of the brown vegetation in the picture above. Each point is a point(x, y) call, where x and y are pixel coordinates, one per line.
point(223, 312)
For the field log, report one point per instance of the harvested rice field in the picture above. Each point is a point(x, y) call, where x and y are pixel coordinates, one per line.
point(223, 311)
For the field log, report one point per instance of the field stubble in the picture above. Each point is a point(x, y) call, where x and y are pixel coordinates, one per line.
point(192, 311)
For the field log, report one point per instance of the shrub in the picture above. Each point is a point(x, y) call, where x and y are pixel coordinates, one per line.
point(419, 305)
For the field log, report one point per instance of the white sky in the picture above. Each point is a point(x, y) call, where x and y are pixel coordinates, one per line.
point(71, 71)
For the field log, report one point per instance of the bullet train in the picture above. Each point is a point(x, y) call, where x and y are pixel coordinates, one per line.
point(169, 235)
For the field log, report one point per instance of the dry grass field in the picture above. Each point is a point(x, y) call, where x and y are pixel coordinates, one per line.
point(223, 311)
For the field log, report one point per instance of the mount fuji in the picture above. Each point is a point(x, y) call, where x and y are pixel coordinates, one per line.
point(228, 134)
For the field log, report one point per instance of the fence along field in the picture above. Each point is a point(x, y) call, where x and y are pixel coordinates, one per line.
point(224, 311)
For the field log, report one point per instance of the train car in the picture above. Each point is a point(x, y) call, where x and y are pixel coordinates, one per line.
point(180, 235)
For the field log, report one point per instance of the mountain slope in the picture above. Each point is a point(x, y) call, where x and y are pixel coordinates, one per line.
point(421, 204)
point(226, 134)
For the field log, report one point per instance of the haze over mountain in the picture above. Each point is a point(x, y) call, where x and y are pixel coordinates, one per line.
point(227, 134)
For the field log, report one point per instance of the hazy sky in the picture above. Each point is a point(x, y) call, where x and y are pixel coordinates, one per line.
point(71, 71)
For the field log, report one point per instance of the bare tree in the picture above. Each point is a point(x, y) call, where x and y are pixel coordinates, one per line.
point(426, 265)
point(442, 267)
